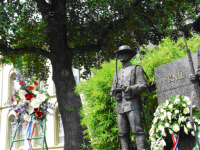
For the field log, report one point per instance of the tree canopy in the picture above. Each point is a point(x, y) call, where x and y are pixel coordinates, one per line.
point(92, 29)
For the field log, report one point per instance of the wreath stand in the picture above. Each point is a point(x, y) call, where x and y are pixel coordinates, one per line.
point(40, 137)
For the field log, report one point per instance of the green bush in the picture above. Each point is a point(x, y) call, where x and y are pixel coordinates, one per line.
point(99, 109)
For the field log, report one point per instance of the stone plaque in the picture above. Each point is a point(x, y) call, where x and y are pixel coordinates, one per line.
point(173, 78)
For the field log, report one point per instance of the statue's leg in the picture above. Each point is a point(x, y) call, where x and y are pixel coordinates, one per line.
point(124, 130)
point(135, 120)
point(125, 141)
point(140, 141)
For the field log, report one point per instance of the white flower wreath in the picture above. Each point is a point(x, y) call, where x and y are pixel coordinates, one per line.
point(170, 117)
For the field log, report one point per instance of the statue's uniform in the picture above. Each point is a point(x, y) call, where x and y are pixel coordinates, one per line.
point(129, 107)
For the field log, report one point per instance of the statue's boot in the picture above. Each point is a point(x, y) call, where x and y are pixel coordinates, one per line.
point(140, 141)
point(125, 143)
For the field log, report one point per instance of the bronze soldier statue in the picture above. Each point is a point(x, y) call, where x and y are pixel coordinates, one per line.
point(128, 84)
point(196, 77)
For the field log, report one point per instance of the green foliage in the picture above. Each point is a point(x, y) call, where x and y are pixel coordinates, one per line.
point(125, 22)
point(22, 30)
point(166, 52)
point(33, 64)
point(99, 109)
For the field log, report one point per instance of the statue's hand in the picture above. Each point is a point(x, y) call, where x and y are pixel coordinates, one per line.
point(118, 97)
point(127, 93)
point(128, 90)
point(193, 78)
point(198, 74)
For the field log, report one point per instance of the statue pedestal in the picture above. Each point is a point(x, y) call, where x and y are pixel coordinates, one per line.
point(186, 142)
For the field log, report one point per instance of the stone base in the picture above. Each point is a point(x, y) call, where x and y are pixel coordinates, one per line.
point(186, 142)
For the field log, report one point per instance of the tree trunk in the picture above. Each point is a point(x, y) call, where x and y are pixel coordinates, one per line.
point(69, 104)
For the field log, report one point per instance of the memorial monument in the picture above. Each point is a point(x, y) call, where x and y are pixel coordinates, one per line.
point(175, 78)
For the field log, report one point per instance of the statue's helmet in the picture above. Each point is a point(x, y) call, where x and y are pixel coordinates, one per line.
point(125, 48)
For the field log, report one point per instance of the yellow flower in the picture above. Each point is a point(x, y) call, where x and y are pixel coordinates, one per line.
point(189, 125)
point(167, 103)
point(166, 124)
point(186, 110)
point(176, 111)
point(186, 99)
point(171, 132)
point(192, 133)
point(171, 106)
point(155, 120)
point(177, 100)
point(169, 115)
point(176, 128)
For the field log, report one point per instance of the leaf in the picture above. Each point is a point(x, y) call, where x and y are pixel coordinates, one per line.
point(185, 129)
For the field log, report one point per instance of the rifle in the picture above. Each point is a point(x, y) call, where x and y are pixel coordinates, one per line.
point(117, 90)
point(196, 87)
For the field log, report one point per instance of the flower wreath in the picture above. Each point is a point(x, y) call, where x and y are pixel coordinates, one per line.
point(29, 101)
point(169, 117)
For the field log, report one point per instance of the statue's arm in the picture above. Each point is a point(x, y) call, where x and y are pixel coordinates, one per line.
point(194, 77)
point(140, 82)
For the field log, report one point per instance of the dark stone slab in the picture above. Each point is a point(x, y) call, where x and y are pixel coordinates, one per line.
point(173, 78)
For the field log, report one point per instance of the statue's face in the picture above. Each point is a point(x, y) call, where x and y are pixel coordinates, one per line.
point(124, 56)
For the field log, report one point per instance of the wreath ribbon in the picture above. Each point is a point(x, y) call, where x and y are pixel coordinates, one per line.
point(29, 132)
point(175, 141)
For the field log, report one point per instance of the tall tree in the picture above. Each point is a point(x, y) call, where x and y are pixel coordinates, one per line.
point(79, 33)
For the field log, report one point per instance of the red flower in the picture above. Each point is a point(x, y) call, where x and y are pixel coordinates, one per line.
point(26, 95)
point(35, 82)
point(17, 102)
point(27, 99)
point(16, 111)
point(35, 109)
point(31, 88)
point(39, 114)
point(12, 99)
point(30, 97)
point(21, 83)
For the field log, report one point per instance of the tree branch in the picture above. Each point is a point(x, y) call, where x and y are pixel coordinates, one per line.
point(100, 43)
point(6, 50)
point(136, 3)
point(86, 48)
point(43, 7)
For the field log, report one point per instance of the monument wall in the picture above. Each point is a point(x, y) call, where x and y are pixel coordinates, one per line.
point(173, 79)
